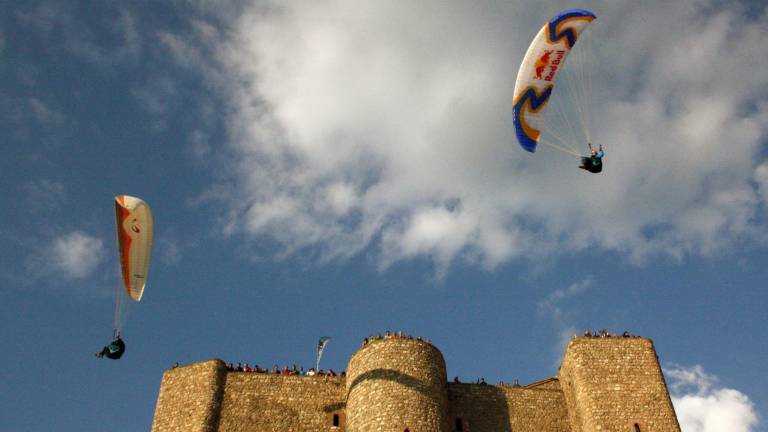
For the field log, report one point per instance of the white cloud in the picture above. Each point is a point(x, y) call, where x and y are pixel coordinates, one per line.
point(31, 117)
point(43, 194)
point(186, 51)
point(200, 148)
point(75, 255)
point(551, 306)
point(171, 252)
point(358, 124)
point(157, 97)
point(761, 177)
point(702, 406)
point(44, 114)
point(32, 112)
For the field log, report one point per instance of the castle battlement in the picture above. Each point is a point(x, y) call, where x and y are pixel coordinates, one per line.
point(399, 384)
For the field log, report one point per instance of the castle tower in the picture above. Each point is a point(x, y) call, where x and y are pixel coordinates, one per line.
point(190, 398)
point(397, 384)
point(615, 384)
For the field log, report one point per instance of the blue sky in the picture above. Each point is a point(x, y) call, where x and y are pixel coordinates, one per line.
point(342, 168)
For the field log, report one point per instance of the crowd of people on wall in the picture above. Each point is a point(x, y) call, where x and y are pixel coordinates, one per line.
point(299, 370)
point(275, 370)
point(391, 335)
point(605, 334)
point(481, 381)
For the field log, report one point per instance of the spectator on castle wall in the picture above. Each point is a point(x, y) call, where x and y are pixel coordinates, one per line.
point(482, 381)
point(456, 380)
point(230, 367)
point(625, 334)
point(247, 368)
point(274, 370)
point(302, 372)
point(311, 372)
point(331, 373)
point(239, 367)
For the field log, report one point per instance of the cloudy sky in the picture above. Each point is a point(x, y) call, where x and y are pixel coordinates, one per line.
point(343, 167)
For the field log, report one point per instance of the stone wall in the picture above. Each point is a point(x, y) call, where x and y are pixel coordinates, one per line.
point(397, 383)
point(611, 384)
point(264, 403)
point(190, 398)
point(489, 408)
point(604, 384)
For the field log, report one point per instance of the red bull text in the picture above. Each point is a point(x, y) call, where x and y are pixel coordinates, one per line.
point(547, 61)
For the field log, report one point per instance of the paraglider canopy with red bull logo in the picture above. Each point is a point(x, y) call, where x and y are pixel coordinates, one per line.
point(135, 231)
point(540, 73)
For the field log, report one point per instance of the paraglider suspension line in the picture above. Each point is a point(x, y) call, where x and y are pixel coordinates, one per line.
point(559, 148)
point(118, 301)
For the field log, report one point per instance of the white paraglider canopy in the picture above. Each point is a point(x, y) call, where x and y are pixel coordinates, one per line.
point(134, 242)
point(538, 76)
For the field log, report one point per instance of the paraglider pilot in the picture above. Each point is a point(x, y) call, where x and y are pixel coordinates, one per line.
point(593, 163)
point(114, 350)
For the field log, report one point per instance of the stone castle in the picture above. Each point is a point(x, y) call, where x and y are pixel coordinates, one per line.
point(612, 384)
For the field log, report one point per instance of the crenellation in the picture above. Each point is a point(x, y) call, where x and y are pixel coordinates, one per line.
point(394, 383)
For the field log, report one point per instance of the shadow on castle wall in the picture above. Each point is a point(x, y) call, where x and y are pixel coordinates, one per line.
point(480, 407)
point(334, 407)
point(394, 376)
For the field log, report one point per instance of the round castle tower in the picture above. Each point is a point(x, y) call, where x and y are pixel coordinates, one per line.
point(397, 384)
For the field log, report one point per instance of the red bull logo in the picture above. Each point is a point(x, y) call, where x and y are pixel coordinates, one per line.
point(542, 63)
point(549, 61)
